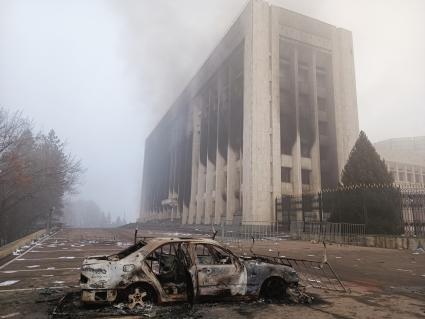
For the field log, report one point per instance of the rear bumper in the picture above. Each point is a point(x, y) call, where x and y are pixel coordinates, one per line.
point(98, 296)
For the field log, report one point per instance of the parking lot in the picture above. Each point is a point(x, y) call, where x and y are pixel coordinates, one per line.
point(384, 283)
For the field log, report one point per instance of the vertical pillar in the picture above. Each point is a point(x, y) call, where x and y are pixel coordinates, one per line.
point(231, 183)
point(196, 143)
point(397, 176)
point(257, 187)
point(275, 110)
point(210, 182)
point(220, 162)
point(202, 168)
point(315, 151)
point(200, 198)
point(219, 191)
point(405, 174)
point(296, 150)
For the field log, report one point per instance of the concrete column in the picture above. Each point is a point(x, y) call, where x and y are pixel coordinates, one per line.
point(257, 188)
point(185, 214)
point(220, 177)
point(275, 111)
point(315, 151)
point(396, 177)
point(220, 180)
point(231, 184)
point(210, 183)
point(202, 172)
point(405, 174)
point(200, 198)
point(296, 150)
point(421, 176)
point(195, 164)
point(345, 98)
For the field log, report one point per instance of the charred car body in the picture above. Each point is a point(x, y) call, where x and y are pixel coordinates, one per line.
point(165, 270)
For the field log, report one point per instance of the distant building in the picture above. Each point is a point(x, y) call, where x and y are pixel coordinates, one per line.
point(272, 111)
point(405, 159)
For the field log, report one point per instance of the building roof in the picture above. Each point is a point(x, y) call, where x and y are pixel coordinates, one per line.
point(409, 150)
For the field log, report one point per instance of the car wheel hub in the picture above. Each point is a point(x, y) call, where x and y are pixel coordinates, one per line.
point(136, 299)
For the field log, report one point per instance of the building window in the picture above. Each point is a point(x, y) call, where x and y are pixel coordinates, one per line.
point(418, 178)
point(285, 174)
point(323, 128)
point(401, 176)
point(305, 176)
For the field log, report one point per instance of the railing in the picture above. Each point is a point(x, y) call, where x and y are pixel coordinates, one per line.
point(354, 211)
point(339, 233)
point(318, 274)
point(249, 230)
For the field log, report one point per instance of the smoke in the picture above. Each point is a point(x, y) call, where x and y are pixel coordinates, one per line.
point(167, 42)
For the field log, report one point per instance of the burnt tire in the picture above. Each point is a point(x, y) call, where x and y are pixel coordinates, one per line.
point(273, 289)
point(142, 296)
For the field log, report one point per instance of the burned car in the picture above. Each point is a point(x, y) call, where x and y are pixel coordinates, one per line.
point(166, 270)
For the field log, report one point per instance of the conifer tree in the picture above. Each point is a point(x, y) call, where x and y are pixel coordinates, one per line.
point(367, 194)
point(364, 165)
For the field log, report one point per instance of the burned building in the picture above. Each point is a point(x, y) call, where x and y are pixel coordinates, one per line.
point(272, 111)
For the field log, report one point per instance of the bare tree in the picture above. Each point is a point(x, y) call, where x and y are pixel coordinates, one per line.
point(35, 175)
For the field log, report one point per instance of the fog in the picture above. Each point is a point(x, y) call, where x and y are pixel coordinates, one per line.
point(102, 73)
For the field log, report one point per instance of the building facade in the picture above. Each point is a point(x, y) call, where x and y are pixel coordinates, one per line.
point(272, 111)
point(405, 159)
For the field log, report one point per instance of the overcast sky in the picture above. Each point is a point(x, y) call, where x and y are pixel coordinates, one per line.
point(102, 72)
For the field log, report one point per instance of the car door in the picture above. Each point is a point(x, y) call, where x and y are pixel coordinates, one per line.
point(169, 263)
point(218, 272)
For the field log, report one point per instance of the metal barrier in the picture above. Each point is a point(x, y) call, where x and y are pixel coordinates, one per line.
point(249, 230)
point(312, 273)
point(339, 233)
point(354, 211)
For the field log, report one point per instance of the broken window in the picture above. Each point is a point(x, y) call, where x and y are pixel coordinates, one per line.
point(127, 251)
point(211, 255)
point(169, 262)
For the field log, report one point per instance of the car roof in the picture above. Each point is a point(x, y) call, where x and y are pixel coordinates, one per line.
point(154, 242)
point(181, 239)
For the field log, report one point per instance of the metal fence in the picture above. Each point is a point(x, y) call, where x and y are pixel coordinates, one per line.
point(318, 274)
point(346, 214)
point(339, 233)
point(413, 212)
point(249, 230)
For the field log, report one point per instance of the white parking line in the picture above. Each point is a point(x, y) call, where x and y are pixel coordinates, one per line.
point(38, 288)
point(8, 283)
point(26, 252)
point(30, 270)
point(51, 258)
point(73, 250)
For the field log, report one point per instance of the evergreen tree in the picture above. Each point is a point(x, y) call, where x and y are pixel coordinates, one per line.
point(364, 165)
point(367, 195)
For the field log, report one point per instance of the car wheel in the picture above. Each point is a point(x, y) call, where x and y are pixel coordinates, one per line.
point(273, 289)
point(141, 296)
